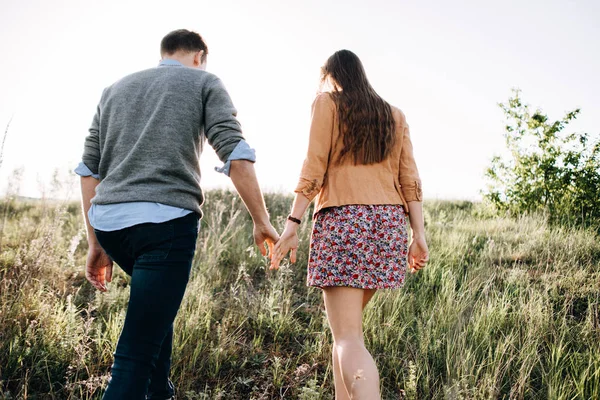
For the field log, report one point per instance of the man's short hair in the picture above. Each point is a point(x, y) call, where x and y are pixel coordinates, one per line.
point(183, 40)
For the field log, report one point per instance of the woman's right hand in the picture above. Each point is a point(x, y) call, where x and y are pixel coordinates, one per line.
point(418, 254)
point(287, 242)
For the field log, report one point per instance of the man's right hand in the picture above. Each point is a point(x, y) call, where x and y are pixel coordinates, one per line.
point(98, 268)
point(265, 233)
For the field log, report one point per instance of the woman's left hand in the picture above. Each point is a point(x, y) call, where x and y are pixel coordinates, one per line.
point(418, 254)
point(287, 242)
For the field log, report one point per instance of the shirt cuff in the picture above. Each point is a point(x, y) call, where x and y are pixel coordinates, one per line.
point(83, 170)
point(242, 151)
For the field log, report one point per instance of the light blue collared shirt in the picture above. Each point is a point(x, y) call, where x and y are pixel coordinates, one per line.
point(113, 217)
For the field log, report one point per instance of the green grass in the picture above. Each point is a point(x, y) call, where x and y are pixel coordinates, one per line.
point(506, 309)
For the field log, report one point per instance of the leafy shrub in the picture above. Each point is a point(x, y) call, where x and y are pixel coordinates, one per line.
point(547, 171)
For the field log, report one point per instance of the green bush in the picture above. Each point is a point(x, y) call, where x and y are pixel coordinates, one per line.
point(547, 171)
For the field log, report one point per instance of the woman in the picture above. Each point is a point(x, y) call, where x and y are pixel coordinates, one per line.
point(361, 169)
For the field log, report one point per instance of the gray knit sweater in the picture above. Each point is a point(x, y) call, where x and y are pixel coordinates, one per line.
point(147, 136)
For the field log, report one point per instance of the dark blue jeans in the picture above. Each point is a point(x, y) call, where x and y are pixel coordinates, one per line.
point(158, 257)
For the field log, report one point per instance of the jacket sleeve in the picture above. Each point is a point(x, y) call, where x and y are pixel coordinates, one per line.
point(221, 126)
point(410, 182)
point(319, 146)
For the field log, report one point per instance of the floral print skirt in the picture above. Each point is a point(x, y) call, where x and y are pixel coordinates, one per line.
point(361, 246)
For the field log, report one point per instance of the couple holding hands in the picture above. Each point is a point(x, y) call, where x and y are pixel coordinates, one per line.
point(140, 182)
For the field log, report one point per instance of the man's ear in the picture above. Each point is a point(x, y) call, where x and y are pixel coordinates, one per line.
point(198, 58)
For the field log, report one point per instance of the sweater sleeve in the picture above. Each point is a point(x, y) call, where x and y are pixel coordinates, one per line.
point(319, 146)
point(91, 147)
point(410, 182)
point(221, 126)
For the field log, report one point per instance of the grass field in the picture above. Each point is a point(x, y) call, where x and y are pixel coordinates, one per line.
point(506, 309)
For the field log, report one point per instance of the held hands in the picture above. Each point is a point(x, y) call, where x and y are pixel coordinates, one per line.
point(98, 268)
point(418, 254)
point(287, 242)
point(265, 234)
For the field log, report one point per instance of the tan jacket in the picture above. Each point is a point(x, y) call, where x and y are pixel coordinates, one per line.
point(393, 181)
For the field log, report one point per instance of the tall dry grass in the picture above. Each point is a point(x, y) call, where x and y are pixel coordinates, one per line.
point(506, 309)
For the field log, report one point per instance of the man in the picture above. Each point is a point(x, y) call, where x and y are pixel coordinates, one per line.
point(140, 183)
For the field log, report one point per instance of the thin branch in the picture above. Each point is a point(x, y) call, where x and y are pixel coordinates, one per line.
point(4, 139)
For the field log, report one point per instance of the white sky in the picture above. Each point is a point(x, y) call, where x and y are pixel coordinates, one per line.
point(445, 64)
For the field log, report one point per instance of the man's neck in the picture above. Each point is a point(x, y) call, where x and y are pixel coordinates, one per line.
point(184, 59)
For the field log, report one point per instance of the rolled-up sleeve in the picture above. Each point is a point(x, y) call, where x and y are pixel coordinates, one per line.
point(222, 129)
point(83, 170)
point(319, 147)
point(242, 151)
point(91, 147)
point(410, 181)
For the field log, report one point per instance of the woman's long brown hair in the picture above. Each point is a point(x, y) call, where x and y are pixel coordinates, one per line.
point(365, 119)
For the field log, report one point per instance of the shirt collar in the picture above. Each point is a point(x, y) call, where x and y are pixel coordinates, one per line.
point(167, 62)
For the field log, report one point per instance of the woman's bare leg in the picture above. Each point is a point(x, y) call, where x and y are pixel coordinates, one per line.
point(340, 390)
point(355, 366)
point(368, 295)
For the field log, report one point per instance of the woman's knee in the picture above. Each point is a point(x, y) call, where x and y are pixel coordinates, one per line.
point(347, 342)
